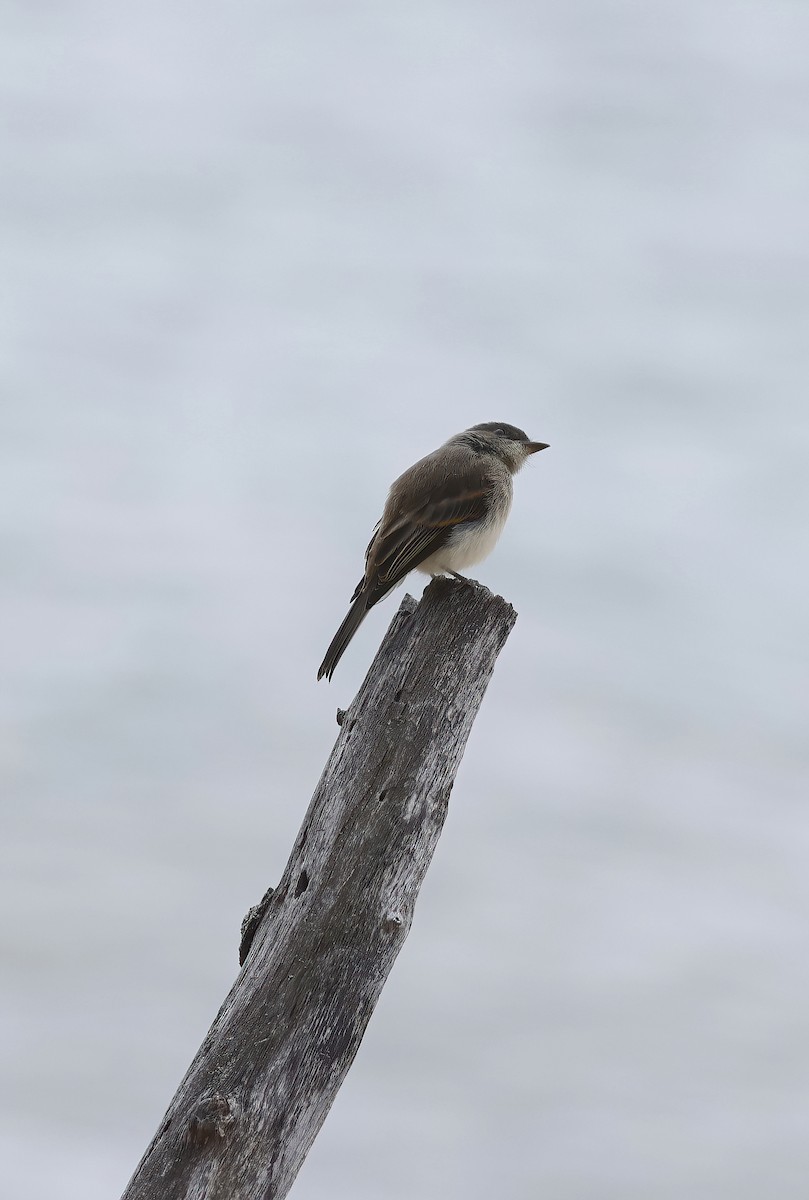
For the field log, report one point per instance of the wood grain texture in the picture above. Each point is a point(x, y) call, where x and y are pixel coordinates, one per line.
point(326, 938)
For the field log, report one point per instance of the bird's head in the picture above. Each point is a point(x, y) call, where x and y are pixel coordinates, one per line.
point(510, 444)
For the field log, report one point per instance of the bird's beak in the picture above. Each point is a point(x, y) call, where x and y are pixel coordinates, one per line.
point(532, 447)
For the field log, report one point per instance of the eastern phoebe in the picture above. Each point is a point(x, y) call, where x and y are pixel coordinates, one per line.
point(445, 513)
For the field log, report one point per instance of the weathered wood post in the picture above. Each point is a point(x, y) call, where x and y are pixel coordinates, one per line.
point(320, 949)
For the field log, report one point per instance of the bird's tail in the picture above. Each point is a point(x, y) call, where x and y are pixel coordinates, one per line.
point(353, 620)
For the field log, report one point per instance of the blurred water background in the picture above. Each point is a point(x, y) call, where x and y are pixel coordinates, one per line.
point(257, 258)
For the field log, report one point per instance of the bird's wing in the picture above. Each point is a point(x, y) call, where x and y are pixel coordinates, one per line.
point(409, 533)
point(405, 543)
point(373, 539)
point(455, 510)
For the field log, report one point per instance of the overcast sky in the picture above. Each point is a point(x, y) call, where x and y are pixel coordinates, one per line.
point(256, 260)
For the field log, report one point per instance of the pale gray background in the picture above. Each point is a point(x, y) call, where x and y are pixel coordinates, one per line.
point(257, 258)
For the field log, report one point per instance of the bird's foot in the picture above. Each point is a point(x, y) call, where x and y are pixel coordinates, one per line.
point(447, 574)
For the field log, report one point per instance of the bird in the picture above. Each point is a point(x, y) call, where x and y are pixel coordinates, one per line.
point(445, 513)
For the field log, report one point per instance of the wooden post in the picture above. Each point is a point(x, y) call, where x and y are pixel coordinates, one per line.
point(319, 949)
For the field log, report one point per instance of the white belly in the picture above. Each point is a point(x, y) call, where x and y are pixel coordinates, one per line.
point(469, 544)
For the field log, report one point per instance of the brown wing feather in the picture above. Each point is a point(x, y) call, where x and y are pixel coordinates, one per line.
point(412, 539)
point(454, 510)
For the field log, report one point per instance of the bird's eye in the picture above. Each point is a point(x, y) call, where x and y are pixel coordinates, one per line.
point(500, 429)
